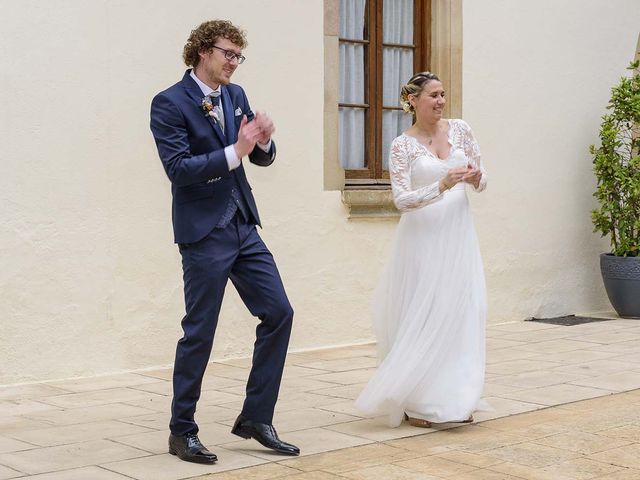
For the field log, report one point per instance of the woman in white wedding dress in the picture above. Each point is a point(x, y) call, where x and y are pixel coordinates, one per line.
point(430, 305)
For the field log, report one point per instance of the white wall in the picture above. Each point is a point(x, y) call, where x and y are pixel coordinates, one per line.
point(537, 77)
point(90, 280)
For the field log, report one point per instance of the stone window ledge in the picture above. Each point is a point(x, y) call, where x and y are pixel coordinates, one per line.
point(369, 202)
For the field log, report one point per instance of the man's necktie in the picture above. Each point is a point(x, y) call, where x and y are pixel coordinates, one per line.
point(215, 101)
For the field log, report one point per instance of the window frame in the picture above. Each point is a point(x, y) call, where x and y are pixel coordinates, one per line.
point(373, 173)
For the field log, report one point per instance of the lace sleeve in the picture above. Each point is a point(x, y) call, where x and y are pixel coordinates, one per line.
point(472, 152)
point(404, 197)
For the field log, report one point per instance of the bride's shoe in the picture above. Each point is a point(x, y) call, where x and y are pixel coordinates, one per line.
point(417, 422)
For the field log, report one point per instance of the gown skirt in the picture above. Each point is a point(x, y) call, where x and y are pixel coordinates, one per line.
point(429, 314)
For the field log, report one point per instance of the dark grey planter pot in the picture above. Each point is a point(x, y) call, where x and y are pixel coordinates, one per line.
point(621, 276)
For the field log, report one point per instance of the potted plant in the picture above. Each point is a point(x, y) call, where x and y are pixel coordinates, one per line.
point(616, 163)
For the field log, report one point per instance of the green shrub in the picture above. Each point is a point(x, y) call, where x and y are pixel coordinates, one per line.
point(616, 164)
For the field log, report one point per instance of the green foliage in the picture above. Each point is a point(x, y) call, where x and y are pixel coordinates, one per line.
point(616, 164)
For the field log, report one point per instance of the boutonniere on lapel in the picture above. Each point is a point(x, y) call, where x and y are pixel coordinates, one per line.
point(209, 109)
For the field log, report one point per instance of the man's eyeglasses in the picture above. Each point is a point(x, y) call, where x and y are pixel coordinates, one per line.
point(229, 55)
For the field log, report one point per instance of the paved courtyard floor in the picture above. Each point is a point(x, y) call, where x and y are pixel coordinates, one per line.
point(565, 398)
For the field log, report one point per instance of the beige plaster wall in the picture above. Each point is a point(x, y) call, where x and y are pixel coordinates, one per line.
point(537, 77)
point(90, 280)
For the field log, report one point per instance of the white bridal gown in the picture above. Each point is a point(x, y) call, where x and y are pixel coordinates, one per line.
point(429, 308)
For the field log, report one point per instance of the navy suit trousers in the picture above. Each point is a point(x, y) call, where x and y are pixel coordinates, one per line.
point(236, 252)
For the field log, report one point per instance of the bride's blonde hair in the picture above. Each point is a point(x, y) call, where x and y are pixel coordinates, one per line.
point(414, 87)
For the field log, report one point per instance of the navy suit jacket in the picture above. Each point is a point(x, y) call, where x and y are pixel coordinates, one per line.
point(191, 147)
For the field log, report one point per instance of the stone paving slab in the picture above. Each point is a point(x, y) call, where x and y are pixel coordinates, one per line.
point(115, 426)
point(528, 446)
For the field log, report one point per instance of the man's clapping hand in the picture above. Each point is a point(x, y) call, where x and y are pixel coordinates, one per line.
point(257, 131)
point(248, 135)
point(266, 127)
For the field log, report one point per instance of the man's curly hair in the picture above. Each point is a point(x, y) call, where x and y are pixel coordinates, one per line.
point(205, 37)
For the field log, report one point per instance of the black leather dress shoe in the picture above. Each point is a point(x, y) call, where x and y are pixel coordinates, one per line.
point(264, 434)
point(188, 448)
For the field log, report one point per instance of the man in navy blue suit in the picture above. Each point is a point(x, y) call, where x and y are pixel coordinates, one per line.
point(203, 128)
